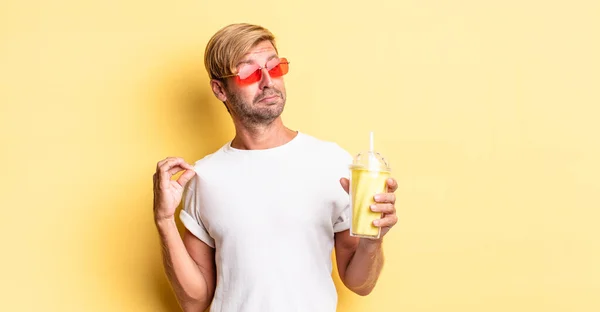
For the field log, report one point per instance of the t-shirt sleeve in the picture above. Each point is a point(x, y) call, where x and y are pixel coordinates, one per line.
point(190, 213)
point(343, 219)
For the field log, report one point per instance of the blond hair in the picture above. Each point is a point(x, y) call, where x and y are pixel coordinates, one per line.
point(229, 45)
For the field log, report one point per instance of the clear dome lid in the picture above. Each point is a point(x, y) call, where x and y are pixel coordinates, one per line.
point(370, 160)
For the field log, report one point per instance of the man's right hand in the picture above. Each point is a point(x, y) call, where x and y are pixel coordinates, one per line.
point(168, 193)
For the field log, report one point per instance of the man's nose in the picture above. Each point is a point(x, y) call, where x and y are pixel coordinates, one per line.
point(265, 80)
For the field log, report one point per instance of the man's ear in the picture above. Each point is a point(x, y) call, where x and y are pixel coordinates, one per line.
point(218, 89)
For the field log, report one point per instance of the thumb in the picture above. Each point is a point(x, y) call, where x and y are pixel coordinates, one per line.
point(185, 177)
point(345, 184)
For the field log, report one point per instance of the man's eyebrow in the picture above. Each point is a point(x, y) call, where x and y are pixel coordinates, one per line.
point(244, 62)
point(253, 62)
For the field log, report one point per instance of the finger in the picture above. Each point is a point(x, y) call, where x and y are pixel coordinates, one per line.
point(385, 208)
point(392, 185)
point(389, 221)
point(162, 162)
point(345, 184)
point(170, 163)
point(385, 198)
point(187, 166)
point(175, 169)
point(186, 177)
point(167, 169)
point(167, 160)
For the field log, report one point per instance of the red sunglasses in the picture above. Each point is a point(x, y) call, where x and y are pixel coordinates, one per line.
point(251, 73)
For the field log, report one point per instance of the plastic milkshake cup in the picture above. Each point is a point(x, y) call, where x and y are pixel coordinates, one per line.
point(368, 175)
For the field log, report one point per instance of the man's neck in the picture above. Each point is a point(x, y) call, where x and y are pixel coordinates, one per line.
point(256, 137)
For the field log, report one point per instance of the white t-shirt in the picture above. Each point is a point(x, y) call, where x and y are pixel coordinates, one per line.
point(271, 216)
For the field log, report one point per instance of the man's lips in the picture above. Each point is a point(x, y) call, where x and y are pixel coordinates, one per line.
point(269, 97)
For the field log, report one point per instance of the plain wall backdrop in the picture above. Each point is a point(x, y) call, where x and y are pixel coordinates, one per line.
point(487, 111)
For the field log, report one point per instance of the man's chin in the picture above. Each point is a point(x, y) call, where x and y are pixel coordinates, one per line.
point(271, 113)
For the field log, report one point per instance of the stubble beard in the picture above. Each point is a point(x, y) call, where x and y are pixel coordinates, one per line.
point(251, 114)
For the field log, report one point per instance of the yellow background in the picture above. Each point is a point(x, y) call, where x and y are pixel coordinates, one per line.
point(487, 110)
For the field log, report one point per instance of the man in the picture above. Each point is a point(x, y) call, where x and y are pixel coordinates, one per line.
point(263, 213)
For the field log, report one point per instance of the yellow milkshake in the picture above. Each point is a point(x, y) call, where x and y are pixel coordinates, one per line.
point(365, 184)
point(368, 176)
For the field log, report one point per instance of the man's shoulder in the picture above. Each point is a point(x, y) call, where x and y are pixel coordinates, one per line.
point(213, 159)
point(324, 147)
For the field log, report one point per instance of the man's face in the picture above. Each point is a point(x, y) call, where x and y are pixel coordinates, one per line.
point(262, 101)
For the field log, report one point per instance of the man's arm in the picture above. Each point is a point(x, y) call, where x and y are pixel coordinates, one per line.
point(359, 262)
point(189, 265)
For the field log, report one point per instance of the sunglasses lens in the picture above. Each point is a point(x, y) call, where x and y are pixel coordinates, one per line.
point(280, 69)
point(247, 70)
point(249, 75)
